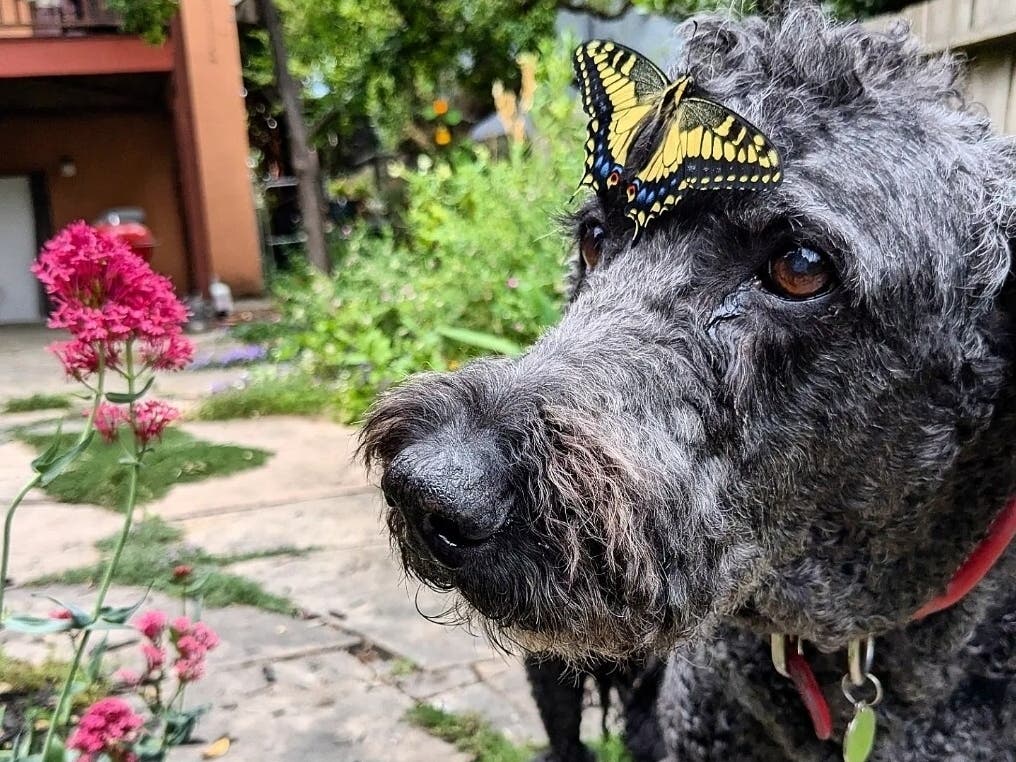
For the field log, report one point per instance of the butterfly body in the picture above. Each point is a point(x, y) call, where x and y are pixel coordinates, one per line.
point(650, 135)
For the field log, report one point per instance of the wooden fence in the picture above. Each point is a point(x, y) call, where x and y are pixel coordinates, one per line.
point(984, 31)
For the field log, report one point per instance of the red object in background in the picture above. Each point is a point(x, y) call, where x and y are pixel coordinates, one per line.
point(134, 234)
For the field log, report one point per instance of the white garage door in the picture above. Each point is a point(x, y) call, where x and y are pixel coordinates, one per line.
point(19, 291)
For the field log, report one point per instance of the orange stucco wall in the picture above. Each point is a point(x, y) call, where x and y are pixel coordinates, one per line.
point(217, 157)
point(121, 160)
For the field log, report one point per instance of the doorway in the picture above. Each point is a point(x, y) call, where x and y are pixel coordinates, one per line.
point(19, 291)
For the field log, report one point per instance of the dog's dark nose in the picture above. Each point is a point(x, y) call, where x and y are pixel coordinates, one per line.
point(453, 495)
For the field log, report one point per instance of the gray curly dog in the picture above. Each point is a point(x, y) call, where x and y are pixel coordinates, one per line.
point(789, 412)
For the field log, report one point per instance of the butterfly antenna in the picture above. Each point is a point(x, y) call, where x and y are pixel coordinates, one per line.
point(581, 185)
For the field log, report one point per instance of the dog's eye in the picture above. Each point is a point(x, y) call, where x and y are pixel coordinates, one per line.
point(800, 273)
point(589, 245)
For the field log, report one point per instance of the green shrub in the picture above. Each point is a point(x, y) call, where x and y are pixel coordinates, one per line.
point(476, 266)
point(276, 394)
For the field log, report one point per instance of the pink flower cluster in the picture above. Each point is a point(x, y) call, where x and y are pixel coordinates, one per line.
point(193, 641)
point(108, 727)
point(104, 295)
point(190, 640)
point(151, 418)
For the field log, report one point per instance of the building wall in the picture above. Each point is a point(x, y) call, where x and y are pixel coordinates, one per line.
point(210, 107)
point(121, 160)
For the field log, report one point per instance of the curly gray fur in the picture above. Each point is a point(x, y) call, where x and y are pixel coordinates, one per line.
point(697, 463)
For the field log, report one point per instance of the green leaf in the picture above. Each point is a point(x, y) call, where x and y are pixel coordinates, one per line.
point(117, 615)
point(125, 398)
point(79, 616)
point(48, 455)
point(197, 586)
point(58, 466)
point(149, 749)
point(180, 725)
point(36, 625)
point(481, 340)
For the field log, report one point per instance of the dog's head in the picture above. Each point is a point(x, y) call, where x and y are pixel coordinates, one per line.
point(762, 406)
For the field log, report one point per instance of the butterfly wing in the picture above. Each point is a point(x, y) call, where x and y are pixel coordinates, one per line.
point(619, 89)
point(706, 146)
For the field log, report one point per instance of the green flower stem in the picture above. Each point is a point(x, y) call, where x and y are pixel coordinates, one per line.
point(8, 524)
point(34, 482)
point(107, 579)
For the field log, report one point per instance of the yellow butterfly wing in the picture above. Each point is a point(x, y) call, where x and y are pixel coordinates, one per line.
point(620, 88)
point(705, 147)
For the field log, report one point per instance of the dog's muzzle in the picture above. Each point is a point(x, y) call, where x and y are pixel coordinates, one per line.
point(453, 496)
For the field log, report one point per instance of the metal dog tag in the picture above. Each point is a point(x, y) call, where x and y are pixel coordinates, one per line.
point(859, 739)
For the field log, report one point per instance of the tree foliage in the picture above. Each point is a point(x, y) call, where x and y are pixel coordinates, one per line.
point(380, 63)
point(149, 18)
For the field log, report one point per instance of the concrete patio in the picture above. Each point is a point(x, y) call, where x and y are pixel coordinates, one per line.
point(332, 684)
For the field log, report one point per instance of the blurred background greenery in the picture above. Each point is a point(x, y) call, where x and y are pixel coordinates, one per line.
point(412, 160)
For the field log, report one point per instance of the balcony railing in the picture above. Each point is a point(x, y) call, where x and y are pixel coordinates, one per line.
point(56, 18)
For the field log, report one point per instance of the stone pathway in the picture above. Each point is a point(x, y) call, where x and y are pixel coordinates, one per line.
point(332, 685)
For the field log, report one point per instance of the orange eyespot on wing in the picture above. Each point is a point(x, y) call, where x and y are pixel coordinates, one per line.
point(619, 89)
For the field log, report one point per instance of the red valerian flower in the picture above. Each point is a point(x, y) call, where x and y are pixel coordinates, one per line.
point(155, 657)
point(105, 295)
point(107, 727)
point(169, 353)
point(151, 624)
point(151, 418)
point(128, 678)
point(193, 641)
point(81, 359)
point(108, 419)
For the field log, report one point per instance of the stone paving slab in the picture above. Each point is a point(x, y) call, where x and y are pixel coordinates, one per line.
point(328, 707)
point(15, 468)
point(284, 688)
point(363, 589)
point(312, 459)
point(26, 367)
point(334, 522)
point(517, 720)
point(281, 688)
point(40, 549)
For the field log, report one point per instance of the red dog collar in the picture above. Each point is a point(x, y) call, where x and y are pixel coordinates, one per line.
point(972, 571)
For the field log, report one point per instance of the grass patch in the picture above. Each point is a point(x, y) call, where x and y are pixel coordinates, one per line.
point(610, 749)
point(473, 735)
point(290, 394)
point(26, 687)
point(260, 331)
point(37, 402)
point(402, 667)
point(19, 677)
point(155, 548)
point(469, 733)
point(98, 478)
